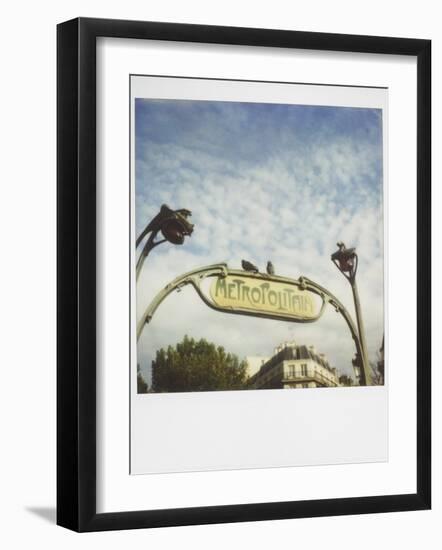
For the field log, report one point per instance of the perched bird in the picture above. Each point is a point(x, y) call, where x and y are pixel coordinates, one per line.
point(247, 266)
point(270, 268)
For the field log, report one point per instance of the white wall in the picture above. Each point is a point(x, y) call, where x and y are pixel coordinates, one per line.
point(27, 218)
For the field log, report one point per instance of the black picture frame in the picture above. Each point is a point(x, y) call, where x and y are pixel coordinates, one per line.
point(77, 287)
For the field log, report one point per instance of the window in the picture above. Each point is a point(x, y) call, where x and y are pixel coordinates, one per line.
point(303, 369)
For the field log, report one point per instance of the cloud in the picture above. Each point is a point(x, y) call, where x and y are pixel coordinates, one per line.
point(277, 182)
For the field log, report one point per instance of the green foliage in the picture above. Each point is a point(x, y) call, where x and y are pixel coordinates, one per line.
point(377, 373)
point(197, 366)
point(142, 386)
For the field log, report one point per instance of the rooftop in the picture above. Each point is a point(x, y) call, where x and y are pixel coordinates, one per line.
point(289, 350)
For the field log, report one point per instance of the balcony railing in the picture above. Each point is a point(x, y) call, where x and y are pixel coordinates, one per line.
point(312, 376)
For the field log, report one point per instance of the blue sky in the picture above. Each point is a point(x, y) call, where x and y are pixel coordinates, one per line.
point(263, 181)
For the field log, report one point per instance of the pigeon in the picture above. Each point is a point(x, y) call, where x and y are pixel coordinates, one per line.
point(247, 266)
point(270, 268)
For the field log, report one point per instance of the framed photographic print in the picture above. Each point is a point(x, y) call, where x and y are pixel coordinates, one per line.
point(240, 333)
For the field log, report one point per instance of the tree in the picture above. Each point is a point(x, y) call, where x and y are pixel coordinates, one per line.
point(377, 373)
point(197, 366)
point(142, 386)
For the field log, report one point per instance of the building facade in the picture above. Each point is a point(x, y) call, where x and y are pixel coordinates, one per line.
point(295, 366)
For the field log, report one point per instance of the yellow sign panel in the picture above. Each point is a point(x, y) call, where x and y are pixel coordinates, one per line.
point(265, 297)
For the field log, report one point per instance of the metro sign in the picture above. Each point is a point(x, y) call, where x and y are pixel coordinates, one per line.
point(264, 296)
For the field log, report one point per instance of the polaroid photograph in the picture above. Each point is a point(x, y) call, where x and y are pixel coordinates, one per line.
point(258, 263)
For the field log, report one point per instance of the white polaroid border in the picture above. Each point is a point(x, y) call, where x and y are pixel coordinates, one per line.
point(117, 490)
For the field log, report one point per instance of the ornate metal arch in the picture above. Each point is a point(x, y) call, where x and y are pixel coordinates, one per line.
point(197, 276)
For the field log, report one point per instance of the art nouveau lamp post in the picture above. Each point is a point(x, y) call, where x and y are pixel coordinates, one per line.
point(346, 260)
point(173, 225)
